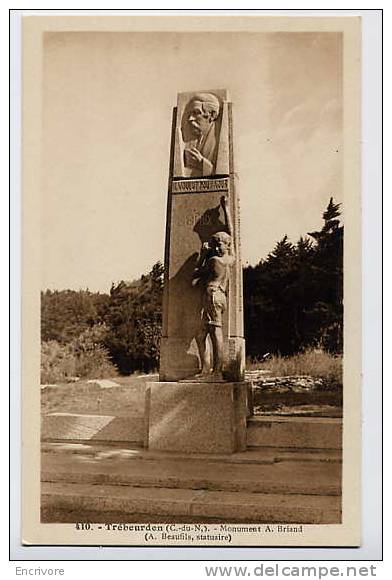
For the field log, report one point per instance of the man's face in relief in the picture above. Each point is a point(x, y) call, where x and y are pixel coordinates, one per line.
point(198, 120)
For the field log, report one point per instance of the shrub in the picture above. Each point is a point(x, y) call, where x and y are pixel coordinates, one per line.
point(57, 362)
point(84, 357)
point(92, 358)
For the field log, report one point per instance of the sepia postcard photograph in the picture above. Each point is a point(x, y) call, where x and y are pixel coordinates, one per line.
point(191, 341)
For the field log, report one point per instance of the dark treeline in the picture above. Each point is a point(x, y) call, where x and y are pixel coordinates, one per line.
point(126, 323)
point(292, 300)
point(134, 320)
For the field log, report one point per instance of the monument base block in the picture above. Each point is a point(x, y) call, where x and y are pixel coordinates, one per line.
point(196, 417)
point(180, 359)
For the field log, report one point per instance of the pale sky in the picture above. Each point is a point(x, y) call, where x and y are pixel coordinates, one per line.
point(108, 100)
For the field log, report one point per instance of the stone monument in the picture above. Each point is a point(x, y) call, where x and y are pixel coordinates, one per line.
point(200, 401)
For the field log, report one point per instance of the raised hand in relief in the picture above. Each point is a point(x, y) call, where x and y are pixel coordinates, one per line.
point(193, 158)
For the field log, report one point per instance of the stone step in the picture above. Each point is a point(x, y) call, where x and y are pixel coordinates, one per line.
point(255, 473)
point(251, 455)
point(187, 503)
point(295, 432)
point(79, 427)
point(262, 431)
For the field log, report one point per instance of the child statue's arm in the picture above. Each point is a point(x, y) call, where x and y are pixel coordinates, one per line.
point(228, 222)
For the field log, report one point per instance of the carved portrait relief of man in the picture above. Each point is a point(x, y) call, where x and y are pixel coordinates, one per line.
point(199, 133)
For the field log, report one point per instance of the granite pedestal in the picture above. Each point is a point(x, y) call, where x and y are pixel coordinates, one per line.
point(192, 417)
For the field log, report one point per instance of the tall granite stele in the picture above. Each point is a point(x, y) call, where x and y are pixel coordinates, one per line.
point(200, 403)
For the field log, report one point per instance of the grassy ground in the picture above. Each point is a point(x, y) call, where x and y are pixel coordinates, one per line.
point(313, 363)
point(128, 398)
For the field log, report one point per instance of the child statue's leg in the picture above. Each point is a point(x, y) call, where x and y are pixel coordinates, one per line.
point(217, 349)
point(201, 341)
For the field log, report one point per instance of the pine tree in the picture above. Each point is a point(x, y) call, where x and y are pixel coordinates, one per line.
point(328, 265)
point(294, 298)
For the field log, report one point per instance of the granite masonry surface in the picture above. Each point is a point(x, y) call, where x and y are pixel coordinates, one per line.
point(194, 214)
point(196, 417)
